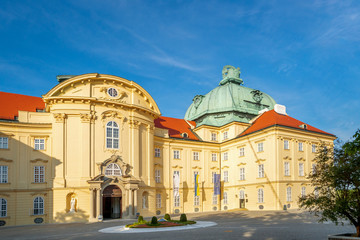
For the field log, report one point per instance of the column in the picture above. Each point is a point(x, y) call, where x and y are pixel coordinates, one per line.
point(92, 203)
point(130, 202)
point(135, 200)
point(98, 201)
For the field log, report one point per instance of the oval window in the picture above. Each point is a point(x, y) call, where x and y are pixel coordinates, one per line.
point(112, 92)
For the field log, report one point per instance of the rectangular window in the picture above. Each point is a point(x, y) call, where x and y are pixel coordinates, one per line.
point(286, 145)
point(3, 174)
point(196, 156)
point(286, 168)
point(196, 200)
point(157, 152)
point(225, 198)
point(242, 173)
point(225, 155)
point(213, 177)
point(39, 174)
point(260, 195)
point(313, 168)
point(177, 201)
point(225, 135)
point(214, 157)
point(301, 147)
point(313, 148)
point(303, 191)
point(196, 173)
point(301, 170)
point(157, 176)
point(261, 173)
point(288, 194)
point(4, 143)
point(158, 200)
point(226, 176)
point(215, 197)
point(241, 152)
point(260, 147)
point(176, 154)
point(213, 136)
point(39, 144)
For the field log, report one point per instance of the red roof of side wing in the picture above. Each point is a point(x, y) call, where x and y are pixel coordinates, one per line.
point(271, 118)
point(176, 127)
point(11, 103)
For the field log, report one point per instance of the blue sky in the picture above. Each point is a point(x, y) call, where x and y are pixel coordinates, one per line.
point(305, 54)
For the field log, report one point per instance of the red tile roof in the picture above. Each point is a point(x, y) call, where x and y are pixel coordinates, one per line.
point(271, 118)
point(176, 127)
point(11, 103)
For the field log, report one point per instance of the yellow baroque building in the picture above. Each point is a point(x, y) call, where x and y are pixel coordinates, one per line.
point(96, 146)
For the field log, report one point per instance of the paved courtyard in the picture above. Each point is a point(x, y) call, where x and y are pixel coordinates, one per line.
point(268, 225)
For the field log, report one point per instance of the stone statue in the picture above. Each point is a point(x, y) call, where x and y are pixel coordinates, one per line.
point(72, 205)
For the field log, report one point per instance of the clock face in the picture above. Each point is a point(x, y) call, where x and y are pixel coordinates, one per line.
point(112, 92)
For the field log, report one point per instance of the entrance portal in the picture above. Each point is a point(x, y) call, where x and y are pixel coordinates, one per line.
point(112, 197)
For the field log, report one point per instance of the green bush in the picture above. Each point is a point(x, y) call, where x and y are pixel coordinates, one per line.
point(154, 221)
point(183, 218)
point(167, 217)
point(140, 219)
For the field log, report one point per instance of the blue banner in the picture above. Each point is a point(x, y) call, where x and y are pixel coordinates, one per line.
point(217, 184)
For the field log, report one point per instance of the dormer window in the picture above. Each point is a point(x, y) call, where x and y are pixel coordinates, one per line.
point(303, 126)
point(113, 170)
point(184, 135)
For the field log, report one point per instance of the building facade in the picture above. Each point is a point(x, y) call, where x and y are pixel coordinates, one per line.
point(96, 146)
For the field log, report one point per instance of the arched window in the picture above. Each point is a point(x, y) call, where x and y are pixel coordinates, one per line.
point(3, 207)
point(113, 170)
point(112, 135)
point(260, 195)
point(145, 197)
point(38, 206)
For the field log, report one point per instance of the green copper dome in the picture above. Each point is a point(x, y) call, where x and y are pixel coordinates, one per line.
point(228, 102)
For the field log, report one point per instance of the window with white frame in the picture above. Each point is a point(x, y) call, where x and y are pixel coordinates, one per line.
point(313, 148)
point(301, 147)
point(39, 174)
point(112, 135)
point(3, 207)
point(177, 201)
point(196, 200)
point(158, 200)
point(242, 174)
point(4, 143)
point(316, 192)
point(213, 177)
point(225, 156)
point(215, 199)
point(241, 152)
point(225, 198)
point(261, 172)
point(303, 191)
point(286, 168)
point(301, 170)
point(39, 144)
point(313, 168)
point(288, 194)
point(196, 173)
point(226, 176)
point(213, 136)
point(157, 176)
point(38, 206)
point(242, 194)
point(286, 145)
point(260, 147)
point(3, 174)
point(157, 152)
point(113, 170)
point(260, 195)
point(214, 157)
point(176, 154)
point(225, 135)
point(196, 156)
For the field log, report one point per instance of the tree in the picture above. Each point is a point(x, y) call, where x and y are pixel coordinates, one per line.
point(336, 182)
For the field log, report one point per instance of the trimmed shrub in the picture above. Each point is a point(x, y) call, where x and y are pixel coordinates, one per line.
point(167, 217)
point(154, 221)
point(183, 218)
point(140, 219)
